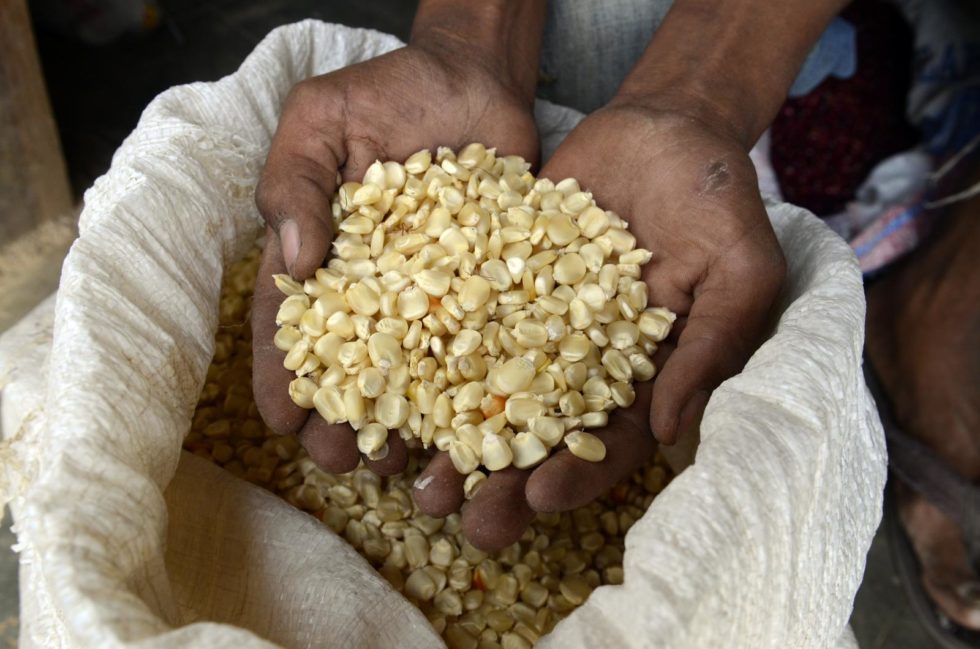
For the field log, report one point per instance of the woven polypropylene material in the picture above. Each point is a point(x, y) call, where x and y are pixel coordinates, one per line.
point(126, 543)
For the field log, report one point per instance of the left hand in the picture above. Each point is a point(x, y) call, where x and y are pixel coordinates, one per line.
point(419, 96)
point(689, 192)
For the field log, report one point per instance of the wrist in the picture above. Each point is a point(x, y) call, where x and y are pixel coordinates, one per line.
point(500, 38)
point(694, 102)
point(728, 64)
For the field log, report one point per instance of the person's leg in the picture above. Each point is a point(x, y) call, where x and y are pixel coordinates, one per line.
point(924, 343)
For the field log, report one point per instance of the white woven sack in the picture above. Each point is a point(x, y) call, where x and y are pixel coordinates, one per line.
point(127, 543)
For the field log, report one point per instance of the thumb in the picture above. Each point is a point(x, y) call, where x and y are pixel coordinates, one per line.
point(725, 323)
point(554, 170)
point(294, 193)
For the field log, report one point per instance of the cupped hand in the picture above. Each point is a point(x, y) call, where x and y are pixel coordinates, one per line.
point(508, 500)
point(690, 195)
point(383, 109)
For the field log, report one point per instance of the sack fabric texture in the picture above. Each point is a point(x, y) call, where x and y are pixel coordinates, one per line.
point(127, 542)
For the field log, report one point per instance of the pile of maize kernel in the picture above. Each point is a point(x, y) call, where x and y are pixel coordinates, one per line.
point(504, 600)
point(473, 308)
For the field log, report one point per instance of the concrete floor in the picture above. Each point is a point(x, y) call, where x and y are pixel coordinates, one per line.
point(882, 617)
point(98, 95)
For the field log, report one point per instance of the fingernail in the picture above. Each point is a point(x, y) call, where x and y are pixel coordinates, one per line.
point(289, 237)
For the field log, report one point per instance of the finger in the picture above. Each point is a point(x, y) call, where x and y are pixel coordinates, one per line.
point(332, 446)
point(361, 154)
point(438, 491)
point(668, 279)
point(726, 321)
point(396, 459)
point(664, 350)
point(676, 330)
point(681, 454)
point(498, 514)
point(270, 380)
point(299, 179)
point(566, 482)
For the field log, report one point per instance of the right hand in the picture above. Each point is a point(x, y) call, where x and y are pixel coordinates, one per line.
point(386, 108)
point(691, 197)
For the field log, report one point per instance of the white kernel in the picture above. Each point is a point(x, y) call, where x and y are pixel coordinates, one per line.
point(465, 342)
point(413, 303)
point(391, 410)
point(497, 453)
point(569, 269)
point(527, 450)
point(513, 376)
point(586, 445)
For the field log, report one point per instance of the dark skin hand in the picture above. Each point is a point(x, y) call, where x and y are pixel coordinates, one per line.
point(386, 108)
point(669, 154)
point(508, 500)
point(691, 195)
point(716, 263)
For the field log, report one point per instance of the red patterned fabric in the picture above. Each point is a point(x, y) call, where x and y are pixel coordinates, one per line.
point(826, 143)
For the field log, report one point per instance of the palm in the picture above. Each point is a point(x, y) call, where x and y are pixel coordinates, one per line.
point(385, 108)
point(402, 102)
point(690, 197)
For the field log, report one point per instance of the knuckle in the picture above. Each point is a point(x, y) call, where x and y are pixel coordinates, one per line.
point(769, 267)
point(302, 94)
point(762, 263)
point(320, 100)
point(266, 200)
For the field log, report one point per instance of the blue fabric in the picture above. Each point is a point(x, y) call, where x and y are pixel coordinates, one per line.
point(835, 54)
point(944, 101)
point(589, 47)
